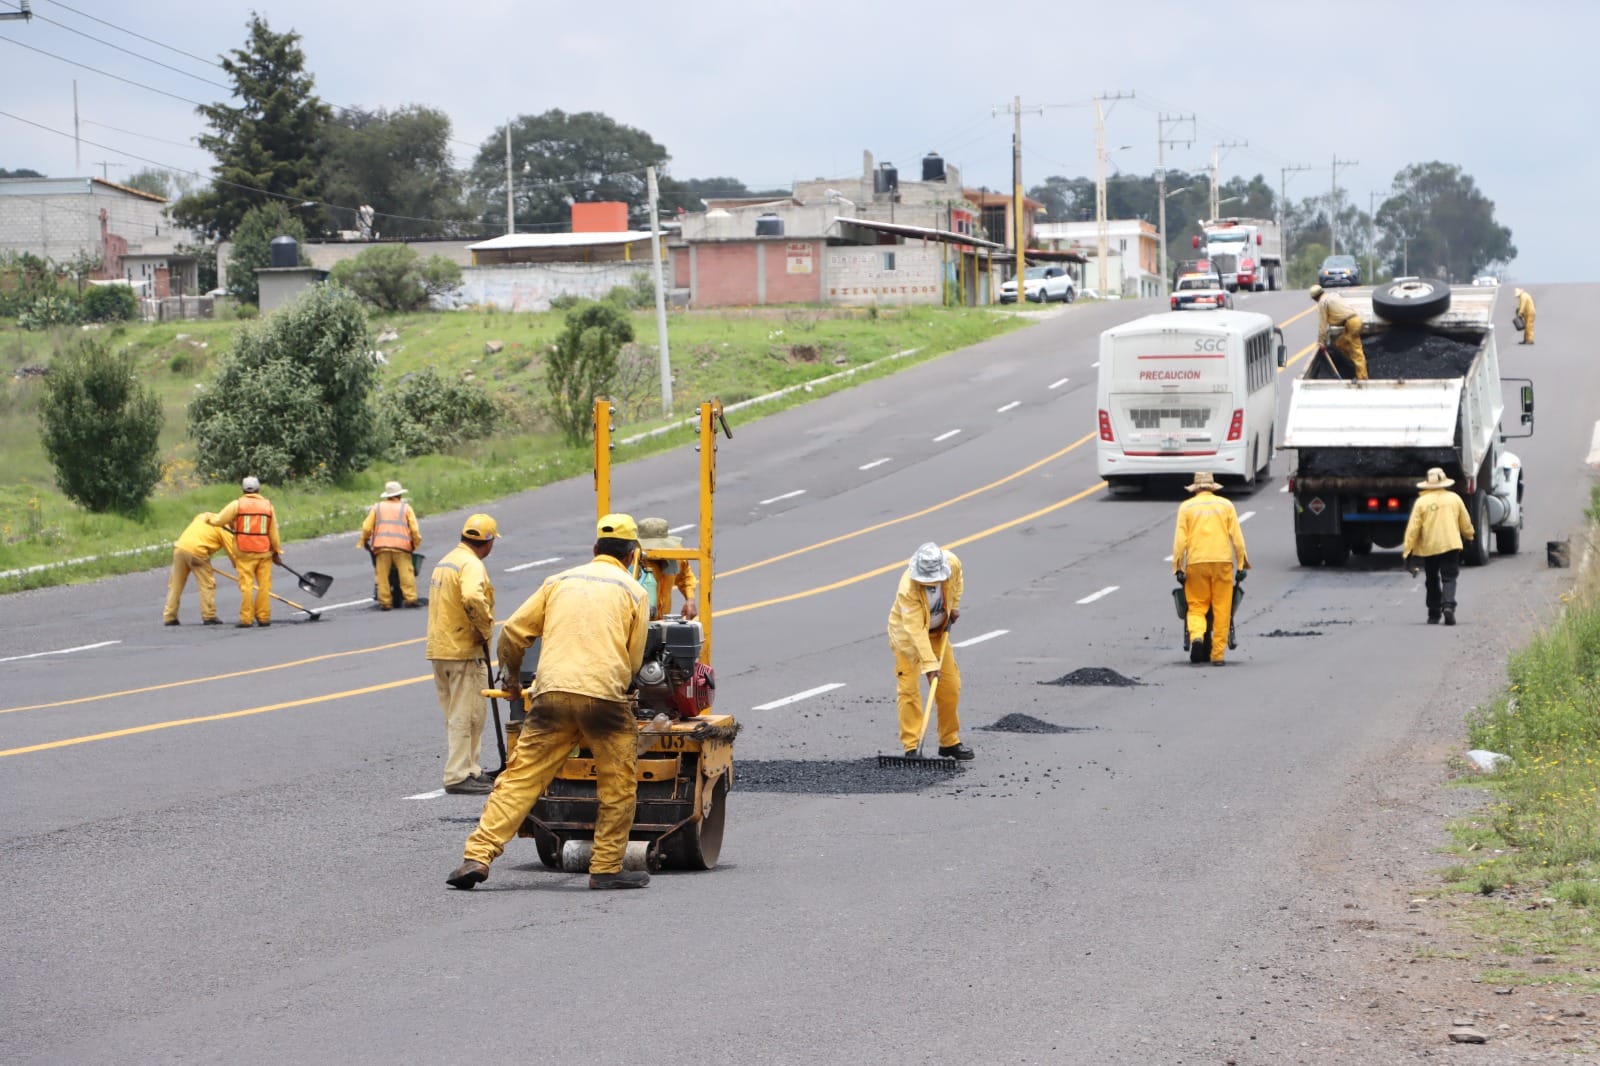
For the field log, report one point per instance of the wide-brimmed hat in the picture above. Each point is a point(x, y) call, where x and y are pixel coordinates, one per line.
point(392, 489)
point(928, 565)
point(1436, 479)
point(1203, 480)
point(653, 534)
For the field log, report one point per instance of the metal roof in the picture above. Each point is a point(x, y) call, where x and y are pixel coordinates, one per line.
point(921, 232)
point(509, 241)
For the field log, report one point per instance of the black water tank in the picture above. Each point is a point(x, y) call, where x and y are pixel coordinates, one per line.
point(888, 178)
point(769, 226)
point(285, 252)
point(933, 167)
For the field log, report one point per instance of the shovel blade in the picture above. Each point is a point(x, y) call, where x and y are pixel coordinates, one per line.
point(315, 583)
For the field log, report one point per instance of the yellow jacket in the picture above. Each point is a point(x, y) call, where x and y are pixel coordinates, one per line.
point(227, 516)
point(684, 580)
point(1524, 304)
point(202, 539)
point(1332, 311)
point(371, 521)
point(910, 616)
point(1208, 532)
point(1438, 524)
point(593, 619)
point(460, 606)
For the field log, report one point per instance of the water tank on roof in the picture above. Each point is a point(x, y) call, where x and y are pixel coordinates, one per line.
point(769, 226)
point(886, 179)
point(933, 167)
point(285, 252)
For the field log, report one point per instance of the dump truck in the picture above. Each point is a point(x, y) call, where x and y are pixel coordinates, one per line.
point(1434, 398)
point(1247, 252)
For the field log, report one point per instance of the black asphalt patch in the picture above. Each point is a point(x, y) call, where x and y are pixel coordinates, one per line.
point(1092, 675)
point(1294, 633)
point(1026, 723)
point(832, 777)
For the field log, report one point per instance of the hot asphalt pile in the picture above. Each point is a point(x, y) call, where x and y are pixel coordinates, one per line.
point(1293, 633)
point(1411, 353)
point(1026, 723)
point(836, 776)
point(1092, 675)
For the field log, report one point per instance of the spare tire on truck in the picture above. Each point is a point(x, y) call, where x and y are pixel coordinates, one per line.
point(1411, 301)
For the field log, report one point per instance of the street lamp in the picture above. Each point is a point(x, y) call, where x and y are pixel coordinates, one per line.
point(1166, 279)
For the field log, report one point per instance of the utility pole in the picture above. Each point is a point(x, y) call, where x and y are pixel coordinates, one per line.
point(104, 165)
point(1333, 202)
point(661, 290)
point(1163, 123)
point(1102, 223)
point(1016, 190)
point(1283, 213)
point(511, 212)
point(77, 144)
point(1372, 214)
point(25, 13)
point(1216, 159)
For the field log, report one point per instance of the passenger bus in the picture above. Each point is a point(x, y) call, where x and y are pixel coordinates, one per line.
point(1181, 392)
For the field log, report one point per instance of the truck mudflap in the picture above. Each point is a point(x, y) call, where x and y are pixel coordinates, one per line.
point(1317, 512)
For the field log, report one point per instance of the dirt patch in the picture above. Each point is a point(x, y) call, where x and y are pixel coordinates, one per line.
point(1294, 633)
point(1093, 675)
point(1026, 723)
point(833, 777)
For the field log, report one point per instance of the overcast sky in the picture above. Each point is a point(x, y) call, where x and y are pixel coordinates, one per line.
point(774, 91)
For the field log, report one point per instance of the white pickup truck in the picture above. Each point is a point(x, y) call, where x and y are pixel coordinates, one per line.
point(1433, 398)
point(1042, 284)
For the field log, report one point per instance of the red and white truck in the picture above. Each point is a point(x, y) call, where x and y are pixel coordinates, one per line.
point(1247, 252)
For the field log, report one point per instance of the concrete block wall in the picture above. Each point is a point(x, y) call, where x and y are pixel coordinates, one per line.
point(858, 275)
point(531, 286)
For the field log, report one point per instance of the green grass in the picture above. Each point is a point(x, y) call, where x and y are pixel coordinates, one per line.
point(731, 356)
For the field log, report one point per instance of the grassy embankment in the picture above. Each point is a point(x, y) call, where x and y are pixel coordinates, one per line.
point(729, 356)
point(1531, 861)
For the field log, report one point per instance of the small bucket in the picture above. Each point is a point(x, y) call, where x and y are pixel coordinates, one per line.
point(1558, 553)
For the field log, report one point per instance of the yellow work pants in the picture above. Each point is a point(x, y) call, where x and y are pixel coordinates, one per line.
point(1210, 585)
point(1527, 327)
point(556, 721)
point(460, 684)
point(393, 559)
point(947, 698)
point(255, 587)
point(1349, 344)
point(183, 564)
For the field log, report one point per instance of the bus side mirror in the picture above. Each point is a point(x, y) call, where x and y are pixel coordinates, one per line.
point(1527, 405)
point(1283, 356)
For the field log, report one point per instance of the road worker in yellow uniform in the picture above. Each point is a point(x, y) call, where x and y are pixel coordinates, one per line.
point(460, 622)
point(256, 548)
point(390, 532)
point(1331, 312)
point(1206, 546)
point(1525, 311)
point(926, 605)
point(592, 620)
point(667, 573)
point(191, 554)
point(1438, 527)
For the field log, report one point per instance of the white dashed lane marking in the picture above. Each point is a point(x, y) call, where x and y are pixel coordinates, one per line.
point(1007, 407)
point(785, 496)
point(1057, 384)
point(1247, 516)
point(1108, 590)
point(536, 562)
point(435, 794)
point(680, 529)
point(875, 462)
point(1094, 364)
point(61, 651)
point(798, 696)
point(1284, 489)
point(980, 638)
point(946, 435)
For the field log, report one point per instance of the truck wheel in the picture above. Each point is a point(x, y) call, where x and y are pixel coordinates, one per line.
point(1507, 541)
point(1335, 549)
point(1410, 302)
point(1361, 546)
point(1477, 552)
point(1308, 549)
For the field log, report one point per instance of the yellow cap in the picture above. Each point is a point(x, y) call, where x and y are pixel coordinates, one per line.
point(480, 527)
point(618, 527)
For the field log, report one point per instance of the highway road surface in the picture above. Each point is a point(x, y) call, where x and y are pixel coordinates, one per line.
point(227, 846)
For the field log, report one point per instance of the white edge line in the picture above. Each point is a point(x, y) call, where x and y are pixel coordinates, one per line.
point(980, 638)
point(435, 794)
point(1058, 384)
point(1095, 363)
point(785, 496)
point(674, 529)
point(1007, 407)
point(61, 651)
point(1247, 516)
point(798, 696)
point(347, 603)
point(1168, 559)
point(875, 462)
point(1108, 590)
point(1284, 489)
point(536, 562)
point(946, 435)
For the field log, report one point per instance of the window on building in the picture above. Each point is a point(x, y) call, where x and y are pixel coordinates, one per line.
point(888, 260)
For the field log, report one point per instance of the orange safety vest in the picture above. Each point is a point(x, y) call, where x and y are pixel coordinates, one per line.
point(251, 525)
point(390, 530)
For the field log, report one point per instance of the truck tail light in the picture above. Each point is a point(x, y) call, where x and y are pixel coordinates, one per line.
point(1472, 485)
point(1194, 242)
point(1247, 267)
point(1236, 427)
point(1174, 303)
point(1394, 503)
point(1258, 238)
point(1105, 426)
point(1372, 503)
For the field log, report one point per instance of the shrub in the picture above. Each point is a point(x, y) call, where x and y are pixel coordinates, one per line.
point(110, 303)
point(23, 279)
point(583, 365)
point(101, 428)
point(392, 277)
point(639, 293)
point(47, 311)
point(424, 413)
point(252, 246)
point(292, 398)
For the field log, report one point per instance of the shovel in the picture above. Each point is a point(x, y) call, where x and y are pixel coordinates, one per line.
point(312, 616)
point(311, 581)
point(918, 761)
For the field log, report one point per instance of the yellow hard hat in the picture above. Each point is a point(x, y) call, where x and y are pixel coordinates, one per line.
point(480, 527)
point(1316, 292)
point(617, 527)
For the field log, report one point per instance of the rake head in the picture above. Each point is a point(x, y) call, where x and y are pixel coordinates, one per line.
point(917, 762)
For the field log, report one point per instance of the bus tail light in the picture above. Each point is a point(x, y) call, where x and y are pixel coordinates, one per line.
point(1236, 427)
point(1105, 427)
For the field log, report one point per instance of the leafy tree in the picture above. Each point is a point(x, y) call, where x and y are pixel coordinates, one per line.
point(687, 195)
point(101, 428)
point(1437, 223)
point(57, 308)
point(22, 173)
point(425, 413)
point(558, 159)
point(399, 162)
point(292, 398)
point(252, 245)
point(393, 277)
point(583, 363)
point(23, 279)
point(266, 141)
point(160, 181)
point(110, 303)
point(1305, 260)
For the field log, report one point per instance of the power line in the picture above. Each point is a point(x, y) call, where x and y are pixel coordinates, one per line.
point(129, 51)
point(144, 136)
point(131, 33)
point(106, 73)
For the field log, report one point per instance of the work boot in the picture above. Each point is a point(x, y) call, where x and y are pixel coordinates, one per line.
point(1449, 616)
point(385, 607)
point(171, 622)
point(621, 879)
point(1218, 662)
point(957, 751)
point(263, 625)
point(1433, 618)
point(469, 786)
point(243, 625)
point(212, 622)
point(468, 874)
point(414, 604)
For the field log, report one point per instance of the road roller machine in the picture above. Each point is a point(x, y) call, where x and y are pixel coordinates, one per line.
point(685, 765)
